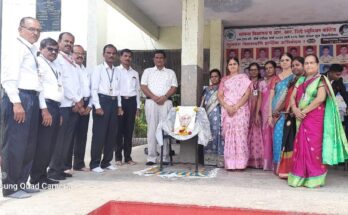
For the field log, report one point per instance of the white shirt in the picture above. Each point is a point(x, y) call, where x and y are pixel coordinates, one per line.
point(159, 81)
point(20, 69)
point(71, 81)
point(85, 75)
point(85, 79)
point(105, 81)
point(51, 81)
point(130, 85)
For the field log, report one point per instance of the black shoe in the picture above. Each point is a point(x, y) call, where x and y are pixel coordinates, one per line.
point(56, 177)
point(165, 163)
point(49, 181)
point(66, 175)
point(150, 163)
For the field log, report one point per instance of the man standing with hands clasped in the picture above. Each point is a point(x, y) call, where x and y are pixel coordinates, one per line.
point(21, 80)
point(130, 94)
point(71, 104)
point(158, 84)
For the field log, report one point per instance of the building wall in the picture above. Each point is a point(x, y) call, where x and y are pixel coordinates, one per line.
point(74, 19)
point(124, 34)
point(118, 30)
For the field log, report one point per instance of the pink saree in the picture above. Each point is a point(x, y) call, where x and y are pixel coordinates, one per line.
point(307, 168)
point(255, 131)
point(267, 131)
point(235, 127)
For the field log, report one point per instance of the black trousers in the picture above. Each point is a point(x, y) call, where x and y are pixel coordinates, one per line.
point(46, 143)
point(64, 141)
point(19, 143)
point(125, 133)
point(76, 156)
point(104, 132)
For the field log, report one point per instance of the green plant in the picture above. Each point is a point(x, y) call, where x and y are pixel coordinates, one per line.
point(140, 129)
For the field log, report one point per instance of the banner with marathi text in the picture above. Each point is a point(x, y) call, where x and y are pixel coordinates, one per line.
point(260, 44)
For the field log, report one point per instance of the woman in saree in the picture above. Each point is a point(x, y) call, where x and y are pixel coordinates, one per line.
point(214, 151)
point(263, 105)
point(320, 138)
point(255, 130)
point(233, 94)
point(276, 117)
point(289, 130)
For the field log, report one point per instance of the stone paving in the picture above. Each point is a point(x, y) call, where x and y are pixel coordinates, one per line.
point(243, 189)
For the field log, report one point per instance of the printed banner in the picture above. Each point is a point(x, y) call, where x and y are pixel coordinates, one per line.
point(260, 44)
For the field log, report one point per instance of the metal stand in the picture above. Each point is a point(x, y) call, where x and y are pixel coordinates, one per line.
point(196, 171)
point(170, 152)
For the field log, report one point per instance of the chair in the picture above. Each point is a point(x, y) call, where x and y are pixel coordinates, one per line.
point(192, 123)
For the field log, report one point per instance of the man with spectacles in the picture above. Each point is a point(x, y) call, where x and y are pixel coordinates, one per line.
point(50, 99)
point(22, 83)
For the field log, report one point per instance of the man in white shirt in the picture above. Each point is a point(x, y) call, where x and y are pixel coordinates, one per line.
point(71, 104)
point(50, 98)
point(130, 94)
point(325, 55)
point(158, 84)
point(78, 147)
point(106, 101)
point(20, 79)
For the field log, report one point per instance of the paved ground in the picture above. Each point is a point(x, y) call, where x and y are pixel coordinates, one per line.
point(247, 189)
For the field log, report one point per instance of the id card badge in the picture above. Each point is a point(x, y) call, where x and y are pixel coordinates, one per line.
point(110, 91)
point(255, 92)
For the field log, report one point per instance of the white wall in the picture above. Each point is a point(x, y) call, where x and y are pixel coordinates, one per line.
point(116, 29)
point(74, 19)
point(124, 34)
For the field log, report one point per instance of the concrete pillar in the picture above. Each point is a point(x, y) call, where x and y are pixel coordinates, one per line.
point(191, 65)
point(216, 42)
point(192, 51)
point(96, 29)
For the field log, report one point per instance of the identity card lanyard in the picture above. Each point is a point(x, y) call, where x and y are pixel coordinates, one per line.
point(255, 88)
point(110, 80)
point(67, 59)
point(54, 72)
point(34, 56)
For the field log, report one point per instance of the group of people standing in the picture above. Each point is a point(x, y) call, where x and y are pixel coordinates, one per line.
point(48, 97)
point(288, 122)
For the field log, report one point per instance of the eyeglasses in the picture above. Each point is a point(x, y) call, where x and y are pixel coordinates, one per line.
point(50, 49)
point(32, 30)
